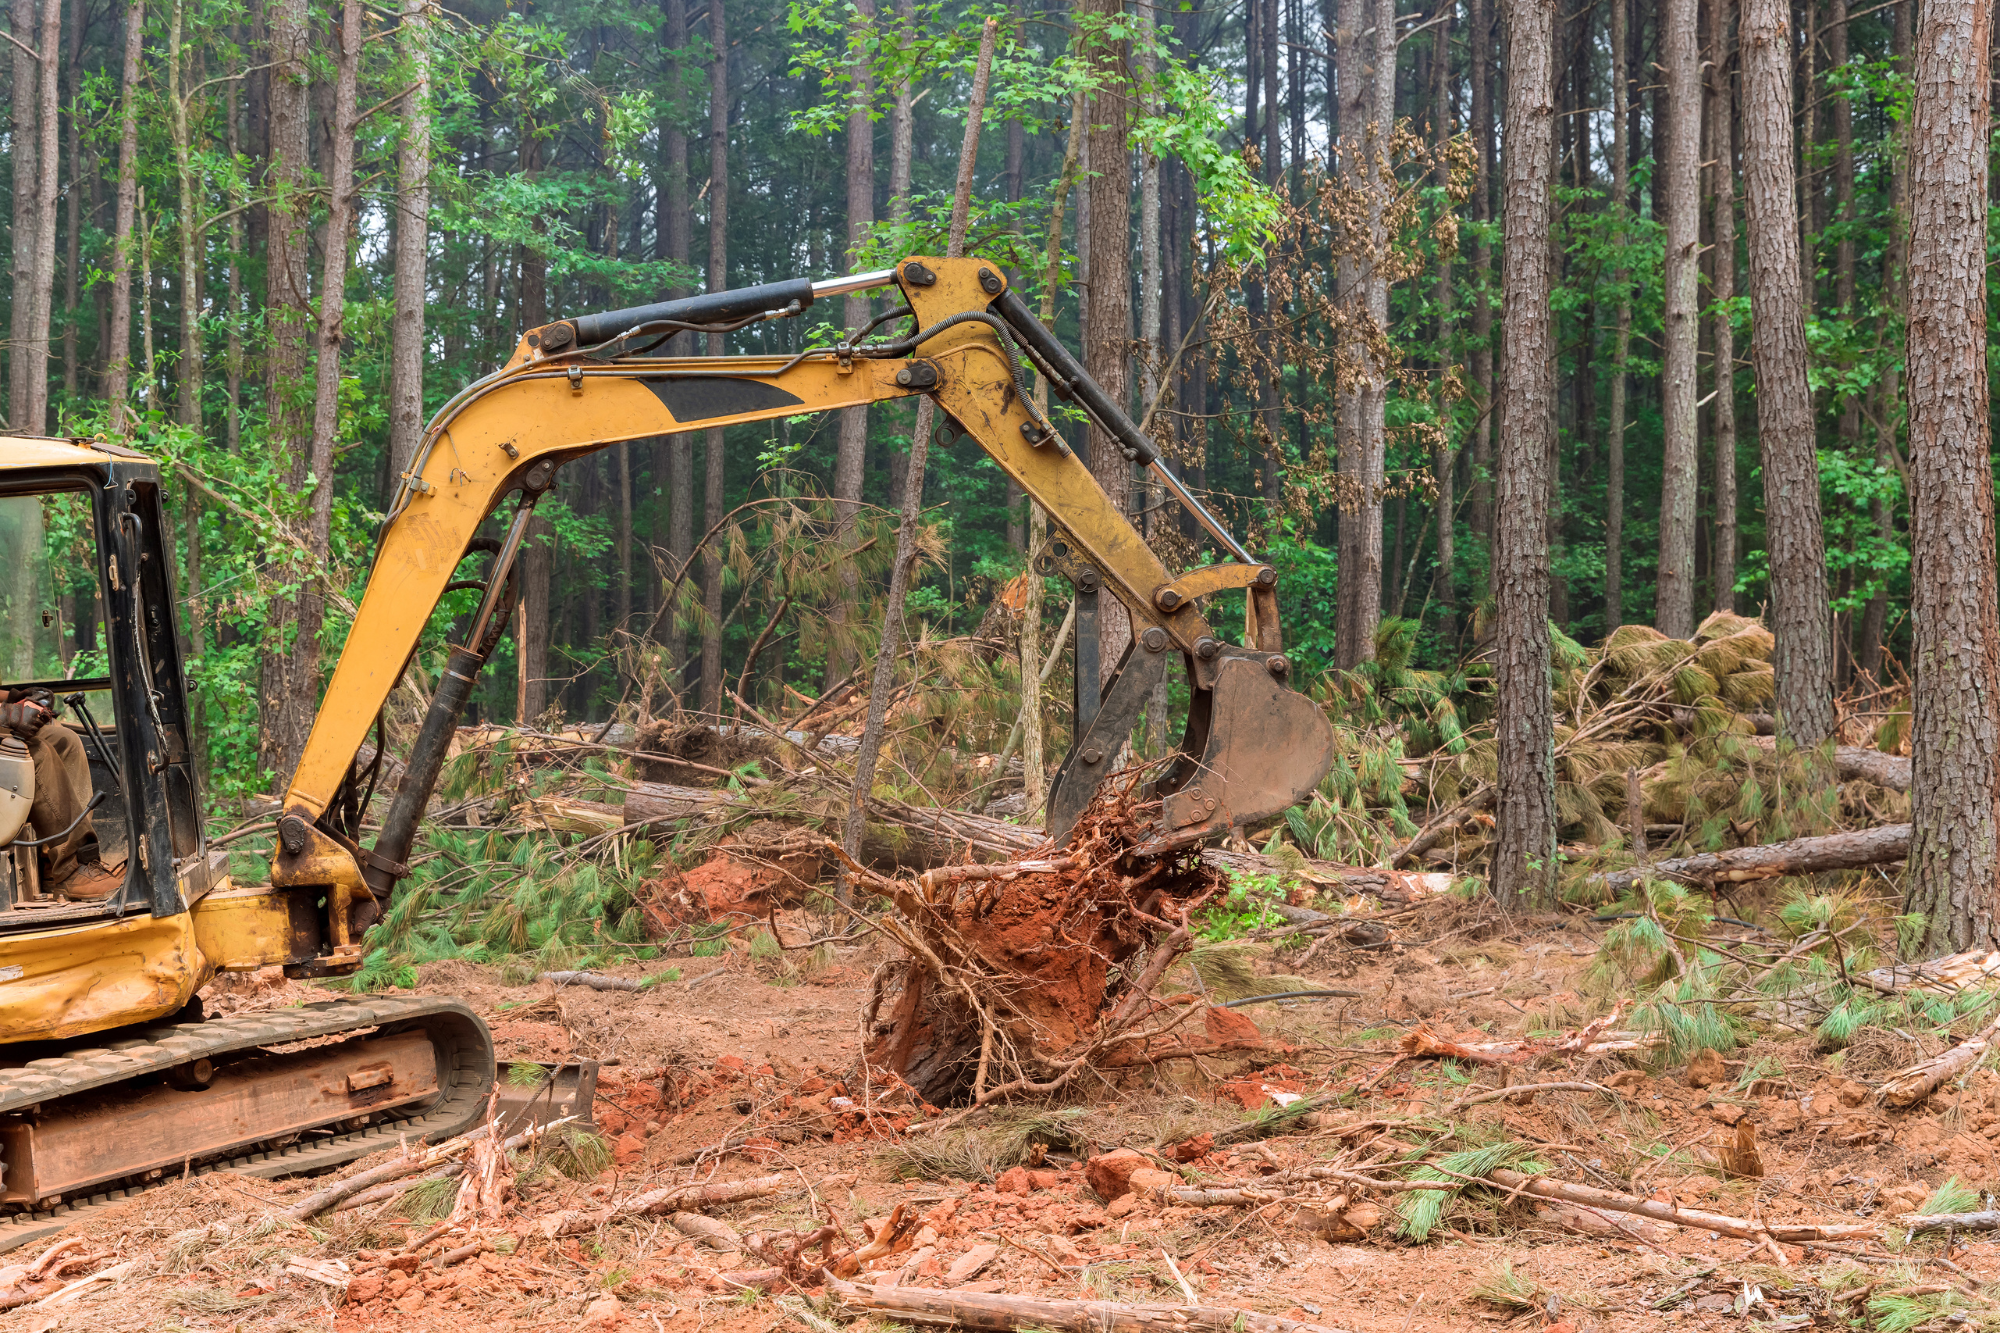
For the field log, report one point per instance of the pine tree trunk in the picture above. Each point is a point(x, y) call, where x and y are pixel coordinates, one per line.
point(413, 228)
point(1798, 616)
point(302, 672)
point(533, 623)
point(292, 627)
point(188, 404)
point(1107, 332)
point(676, 239)
point(1479, 507)
point(902, 122)
point(21, 104)
point(1614, 440)
point(1955, 709)
point(1722, 334)
point(117, 349)
point(850, 463)
point(78, 195)
point(1890, 397)
point(1358, 595)
point(39, 166)
point(1523, 862)
point(232, 354)
point(1681, 187)
point(718, 280)
point(1270, 412)
point(1444, 459)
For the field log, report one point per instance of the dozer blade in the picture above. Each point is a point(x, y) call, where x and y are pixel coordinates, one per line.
point(1254, 748)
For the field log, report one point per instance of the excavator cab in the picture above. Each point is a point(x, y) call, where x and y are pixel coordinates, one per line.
point(104, 794)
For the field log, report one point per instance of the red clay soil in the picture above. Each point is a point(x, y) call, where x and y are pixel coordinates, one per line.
point(748, 1072)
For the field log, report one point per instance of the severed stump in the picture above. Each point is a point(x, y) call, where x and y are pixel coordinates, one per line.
point(1016, 976)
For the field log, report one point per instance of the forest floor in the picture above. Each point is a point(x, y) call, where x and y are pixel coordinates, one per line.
point(740, 1068)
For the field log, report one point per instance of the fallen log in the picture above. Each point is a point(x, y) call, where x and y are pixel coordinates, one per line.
point(1918, 1223)
point(1589, 1196)
point(1445, 825)
point(670, 1199)
point(1954, 972)
point(909, 837)
point(561, 814)
point(1395, 887)
point(1800, 856)
point(391, 1179)
point(592, 980)
point(1855, 762)
point(707, 1231)
point(1920, 1080)
point(998, 1313)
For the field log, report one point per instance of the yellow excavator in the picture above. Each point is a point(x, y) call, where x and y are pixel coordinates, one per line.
point(109, 1078)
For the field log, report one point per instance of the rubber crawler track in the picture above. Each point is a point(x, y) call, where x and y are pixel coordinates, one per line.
point(466, 1064)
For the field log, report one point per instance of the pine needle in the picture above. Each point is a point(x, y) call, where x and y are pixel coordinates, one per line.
point(1950, 1197)
point(1423, 1209)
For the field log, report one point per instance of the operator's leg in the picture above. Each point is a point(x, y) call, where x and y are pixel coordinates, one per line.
point(62, 790)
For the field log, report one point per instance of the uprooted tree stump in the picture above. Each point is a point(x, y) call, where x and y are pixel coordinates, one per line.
point(1016, 977)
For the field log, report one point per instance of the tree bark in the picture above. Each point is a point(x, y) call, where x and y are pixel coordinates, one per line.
point(1801, 856)
point(1722, 333)
point(117, 351)
point(1799, 616)
point(1107, 330)
point(1444, 459)
point(335, 239)
point(413, 222)
point(1352, 639)
point(1523, 861)
point(1614, 442)
point(1890, 398)
point(1270, 412)
point(718, 280)
point(21, 104)
point(188, 236)
point(675, 230)
point(902, 122)
point(532, 618)
point(232, 345)
point(850, 463)
point(31, 349)
point(291, 635)
point(1479, 503)
point(1680, 186)
point(1955, 706)
point(79, 196)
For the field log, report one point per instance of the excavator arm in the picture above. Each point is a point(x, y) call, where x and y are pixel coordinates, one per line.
point(1253, 746)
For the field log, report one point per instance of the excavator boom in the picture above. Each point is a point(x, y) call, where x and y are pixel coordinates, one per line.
point(1254, 745)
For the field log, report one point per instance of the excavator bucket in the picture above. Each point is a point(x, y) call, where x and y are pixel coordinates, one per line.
point(1254, 747)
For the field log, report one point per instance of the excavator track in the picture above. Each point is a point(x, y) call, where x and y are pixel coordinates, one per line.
point(462, 1047)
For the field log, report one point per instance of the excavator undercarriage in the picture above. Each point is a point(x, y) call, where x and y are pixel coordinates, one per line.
point(108, 1080)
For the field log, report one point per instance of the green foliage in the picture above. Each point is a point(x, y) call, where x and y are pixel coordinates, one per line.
point(1501, 1286)
point(1243, 908)
point(1422, 1210)
point(485, 896)
point(1950, 1197)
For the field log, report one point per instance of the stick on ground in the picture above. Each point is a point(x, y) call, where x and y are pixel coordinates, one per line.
point(1000, 1314)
